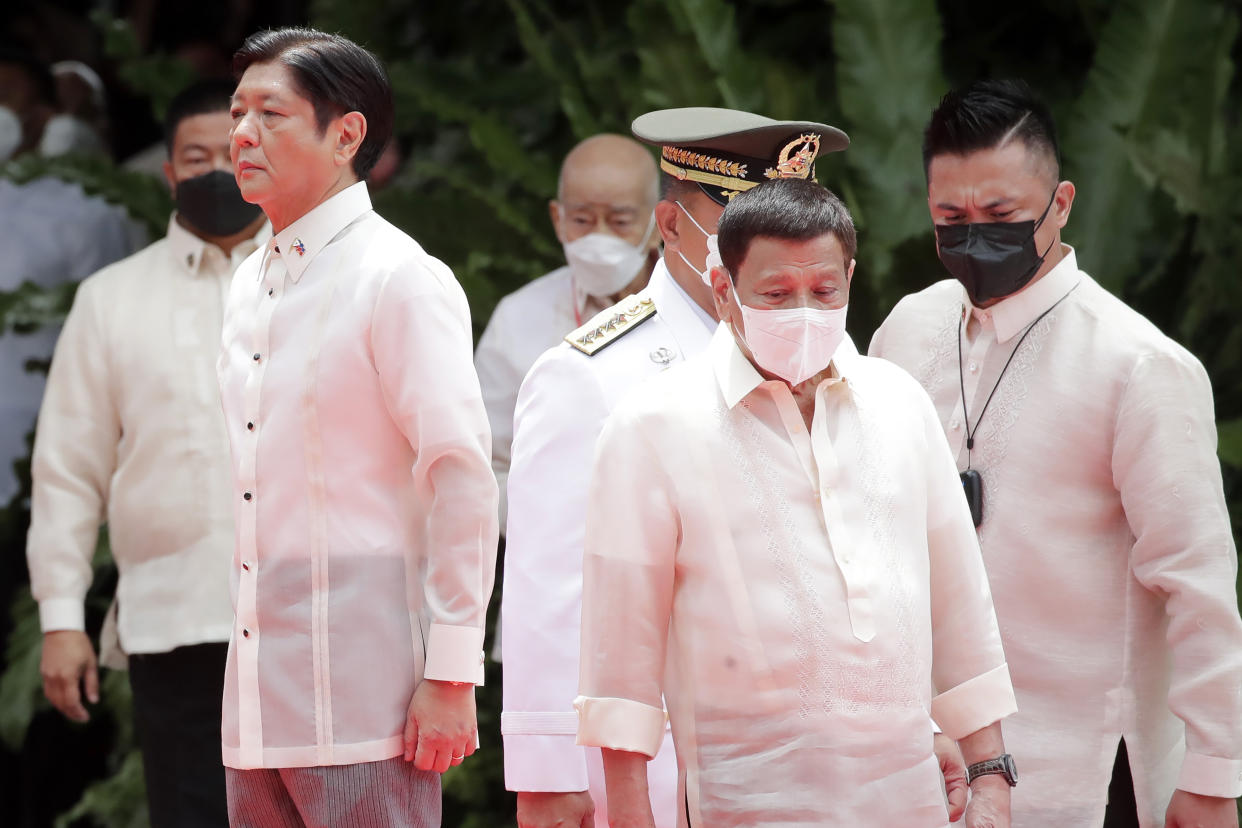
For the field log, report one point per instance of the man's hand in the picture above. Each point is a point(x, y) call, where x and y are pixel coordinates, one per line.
point(989, 803)
point(440, 726)
point(68, 666)
point(1187, 810)
point(953, 768)
point(555, 810)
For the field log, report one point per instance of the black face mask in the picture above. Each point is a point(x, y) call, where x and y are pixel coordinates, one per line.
point(991, 259)
point(213, 204)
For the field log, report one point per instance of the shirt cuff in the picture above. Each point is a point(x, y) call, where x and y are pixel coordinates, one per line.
point(975, 703)
point(620, 724)
point(540, 753)
point(1211, 776)
point(454, 654)
point(61, 614)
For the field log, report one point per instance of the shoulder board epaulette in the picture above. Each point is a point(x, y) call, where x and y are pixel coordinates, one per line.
point(610, 325)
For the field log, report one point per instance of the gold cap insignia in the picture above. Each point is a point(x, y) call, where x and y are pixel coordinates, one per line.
point(797, 158)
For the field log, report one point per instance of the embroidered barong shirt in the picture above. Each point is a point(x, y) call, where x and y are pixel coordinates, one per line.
point(804, 600)
point(1105, 536)
point(364, 499)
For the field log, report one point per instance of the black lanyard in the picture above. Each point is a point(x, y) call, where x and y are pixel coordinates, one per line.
point(961, 375)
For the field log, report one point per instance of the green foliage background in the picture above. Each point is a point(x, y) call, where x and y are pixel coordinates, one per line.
point(491, 95)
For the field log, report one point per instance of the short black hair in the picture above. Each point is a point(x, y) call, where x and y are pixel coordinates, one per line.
point(673, 188)
point(335, 74)
point(790, 209)
point(198, 98)
point(986, 114)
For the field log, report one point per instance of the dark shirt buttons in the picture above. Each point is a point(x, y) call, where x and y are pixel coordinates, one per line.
point(271, 291)
point(247, 496)
point(250, 426)
point(246, 633)
point(245, 566)
point(256, 357)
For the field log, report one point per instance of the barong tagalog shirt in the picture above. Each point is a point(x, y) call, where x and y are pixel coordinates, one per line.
point(1105, 535)
point(130, 432)
point(364, 498)
point(785, 589)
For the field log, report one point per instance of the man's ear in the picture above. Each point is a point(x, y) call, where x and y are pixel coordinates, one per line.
point(353, 130)
point(849, 272)
point(721, 288)
point(554, 213)
point(666, 223)
point(1063, 202)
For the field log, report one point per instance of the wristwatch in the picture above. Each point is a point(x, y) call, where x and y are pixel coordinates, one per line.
point(1002, 764)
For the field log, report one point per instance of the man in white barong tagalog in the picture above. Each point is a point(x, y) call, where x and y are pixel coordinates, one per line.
point(364, 497)
point(778, 551)
point(1086, 441)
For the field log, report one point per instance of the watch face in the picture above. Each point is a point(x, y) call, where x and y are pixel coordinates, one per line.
point(1011, 769)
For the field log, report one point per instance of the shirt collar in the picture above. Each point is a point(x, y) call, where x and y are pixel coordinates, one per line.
point(188, 250)
point(300, 242)
point(1013, 313)
point(737, 377)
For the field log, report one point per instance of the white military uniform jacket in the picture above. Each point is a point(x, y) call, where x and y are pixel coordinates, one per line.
point(527, 322)
point(561, 410)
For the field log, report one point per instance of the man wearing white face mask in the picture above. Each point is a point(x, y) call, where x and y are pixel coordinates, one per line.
point(603, 217)
point(707, 156)
point(776, 551)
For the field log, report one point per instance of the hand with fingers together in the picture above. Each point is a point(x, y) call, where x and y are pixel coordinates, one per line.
point(70, 672)
point(440, 725)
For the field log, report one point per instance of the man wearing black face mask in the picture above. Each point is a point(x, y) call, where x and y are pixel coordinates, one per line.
point(1087, 446)
point(131, 431)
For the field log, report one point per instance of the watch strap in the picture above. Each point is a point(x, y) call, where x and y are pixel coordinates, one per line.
point(1002, 765)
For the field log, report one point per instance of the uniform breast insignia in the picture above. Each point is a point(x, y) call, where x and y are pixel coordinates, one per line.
point(612, 324)
point(662, 356)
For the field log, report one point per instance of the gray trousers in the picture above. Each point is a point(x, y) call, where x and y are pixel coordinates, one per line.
point(387, 794)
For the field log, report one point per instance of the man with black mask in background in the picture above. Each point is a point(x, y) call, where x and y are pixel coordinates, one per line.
point(131, 432)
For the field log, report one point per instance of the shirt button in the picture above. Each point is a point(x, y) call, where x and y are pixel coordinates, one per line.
point(955, 424)
point(250, 426)
point(247, 496)
point(974, 367)
point(271, 291)
point(246, 565)
point(246, 633)
point(256, 357)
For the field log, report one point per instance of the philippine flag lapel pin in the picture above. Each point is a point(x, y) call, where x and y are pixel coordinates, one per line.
point(299, 247)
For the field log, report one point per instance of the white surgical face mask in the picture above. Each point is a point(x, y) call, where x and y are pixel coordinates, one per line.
point(10, 133)
point(603, 264)
point(69, 134)
point(713, 254)
point(793, 343)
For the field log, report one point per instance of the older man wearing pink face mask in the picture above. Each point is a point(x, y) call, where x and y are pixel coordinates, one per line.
point(777, 552)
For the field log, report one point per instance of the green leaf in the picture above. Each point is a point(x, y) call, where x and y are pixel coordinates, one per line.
point(21, 686)
point(145, 197)
point(888, 81)
point(118, 801)
point(31, 307)
point(1229, 442)
point(1146, 118)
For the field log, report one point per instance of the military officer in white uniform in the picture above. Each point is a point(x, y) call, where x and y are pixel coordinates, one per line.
point(707, 156)
point(604, 219)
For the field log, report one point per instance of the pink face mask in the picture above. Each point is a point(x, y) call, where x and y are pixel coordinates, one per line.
point(793, 343)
